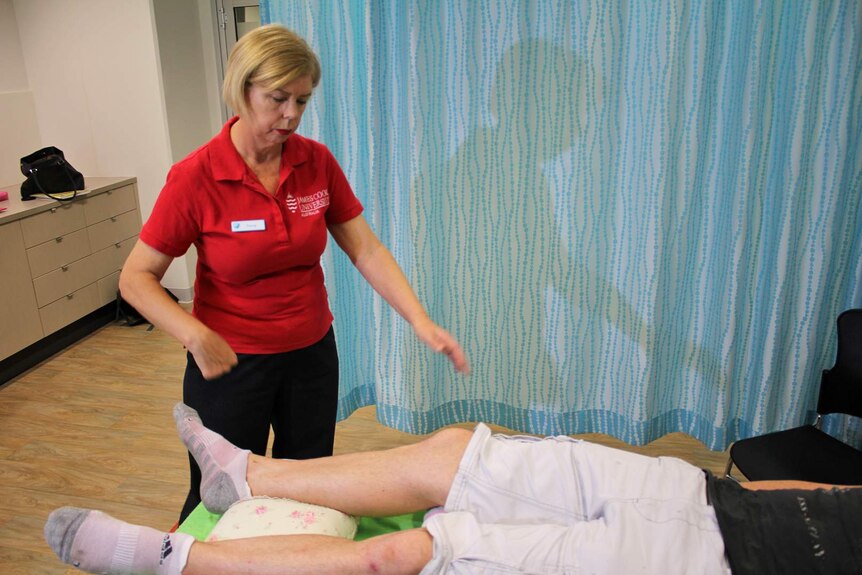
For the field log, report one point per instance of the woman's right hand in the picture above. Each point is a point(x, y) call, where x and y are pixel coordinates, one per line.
point(141, 287)
point(212, 353)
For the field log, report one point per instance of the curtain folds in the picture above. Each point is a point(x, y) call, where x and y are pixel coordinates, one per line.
point(637, 218)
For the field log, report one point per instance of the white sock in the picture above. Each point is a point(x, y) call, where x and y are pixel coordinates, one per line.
point(223, 465)
point(95, 542)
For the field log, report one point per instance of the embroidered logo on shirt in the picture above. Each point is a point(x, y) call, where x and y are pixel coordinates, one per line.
point(313, 204)
point(292, 205)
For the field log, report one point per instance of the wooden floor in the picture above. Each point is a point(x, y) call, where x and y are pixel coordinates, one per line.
point(92, 427)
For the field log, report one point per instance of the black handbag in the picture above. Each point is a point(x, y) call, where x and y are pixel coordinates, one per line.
point(49, 173)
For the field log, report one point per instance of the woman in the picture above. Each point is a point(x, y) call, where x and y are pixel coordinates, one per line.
point(257, 202)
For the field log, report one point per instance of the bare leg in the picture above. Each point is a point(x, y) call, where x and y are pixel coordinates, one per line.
point(375, 483)
point(98, 543)
point(400, 480)
point(401, 553)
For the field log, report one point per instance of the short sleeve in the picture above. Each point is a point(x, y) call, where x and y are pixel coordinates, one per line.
point(174, 224)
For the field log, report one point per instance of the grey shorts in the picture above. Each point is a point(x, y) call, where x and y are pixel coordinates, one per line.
point(558, 505)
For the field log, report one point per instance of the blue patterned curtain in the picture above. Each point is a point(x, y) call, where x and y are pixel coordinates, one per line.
point(637, 217)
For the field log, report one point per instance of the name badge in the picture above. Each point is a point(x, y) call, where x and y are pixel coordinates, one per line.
point(248, 226)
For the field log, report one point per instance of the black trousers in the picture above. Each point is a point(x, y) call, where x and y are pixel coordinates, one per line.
point(295, 392)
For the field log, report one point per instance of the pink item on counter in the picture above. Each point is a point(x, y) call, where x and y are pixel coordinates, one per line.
point(4, 196)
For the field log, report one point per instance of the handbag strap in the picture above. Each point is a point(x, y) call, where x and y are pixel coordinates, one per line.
point(34, 173)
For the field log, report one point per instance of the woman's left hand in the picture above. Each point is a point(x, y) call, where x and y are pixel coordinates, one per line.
point(442, 341)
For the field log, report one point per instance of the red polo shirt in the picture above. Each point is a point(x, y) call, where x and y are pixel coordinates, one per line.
point(259, 283)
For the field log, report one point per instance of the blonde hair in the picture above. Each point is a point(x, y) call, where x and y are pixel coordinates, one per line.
point(270, 56)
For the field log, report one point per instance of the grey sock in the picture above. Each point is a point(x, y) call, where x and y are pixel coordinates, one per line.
point(61, 528)
point(223, 465)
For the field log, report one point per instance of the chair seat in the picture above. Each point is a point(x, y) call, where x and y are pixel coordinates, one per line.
point(803, 453)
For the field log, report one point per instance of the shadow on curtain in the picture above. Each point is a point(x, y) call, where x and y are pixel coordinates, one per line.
point(637, 219)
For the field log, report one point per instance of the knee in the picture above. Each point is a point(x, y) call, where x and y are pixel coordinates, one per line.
point(445, 447)
point(402, 552)
point(437, 459)
point(450, 439)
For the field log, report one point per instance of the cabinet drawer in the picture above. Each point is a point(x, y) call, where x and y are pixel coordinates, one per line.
point(120, 251)
point(113, 230)
point(55, 222)
point(19, 316)
point(69, 308)
point(108, 287)
point(113, 257)
point(58, 252)
point(67, 279)
point(74, 276)
point(111, 203)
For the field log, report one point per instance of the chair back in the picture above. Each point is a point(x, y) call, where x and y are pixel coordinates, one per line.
point(841, 385)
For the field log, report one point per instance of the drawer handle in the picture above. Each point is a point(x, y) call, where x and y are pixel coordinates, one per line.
point(70, 295)
point(58, 239)
point(53, 210)
point(64, 268)
point(118, 245)
point(113, 218)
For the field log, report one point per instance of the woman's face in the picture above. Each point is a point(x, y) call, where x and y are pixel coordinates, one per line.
point(273, 115)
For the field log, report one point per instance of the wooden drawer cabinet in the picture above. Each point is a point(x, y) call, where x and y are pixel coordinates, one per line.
point(109, 204)
point(63, 260)
point(55, 253)
point(113, 230)
point(73, 276)
point(54, 223)
point(20, 324)
point(108, 286)
point(70, 307)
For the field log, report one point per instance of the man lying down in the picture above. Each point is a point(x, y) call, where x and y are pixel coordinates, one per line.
point(498, 504)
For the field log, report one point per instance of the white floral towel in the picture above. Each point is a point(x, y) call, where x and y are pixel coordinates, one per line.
point(259, 516)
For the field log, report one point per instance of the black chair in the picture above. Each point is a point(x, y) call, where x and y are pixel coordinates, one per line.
point(807, 453)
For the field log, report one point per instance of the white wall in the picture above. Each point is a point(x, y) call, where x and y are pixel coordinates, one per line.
point(183, 75)
point(210, 47)
point(187, 61)
point(13, 76)
point(94, 72)
point(19, 128)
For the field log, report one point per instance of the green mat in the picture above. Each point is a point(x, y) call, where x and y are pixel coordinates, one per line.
point(200, 522)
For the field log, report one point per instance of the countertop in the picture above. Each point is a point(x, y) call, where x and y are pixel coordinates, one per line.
point(17, 209)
